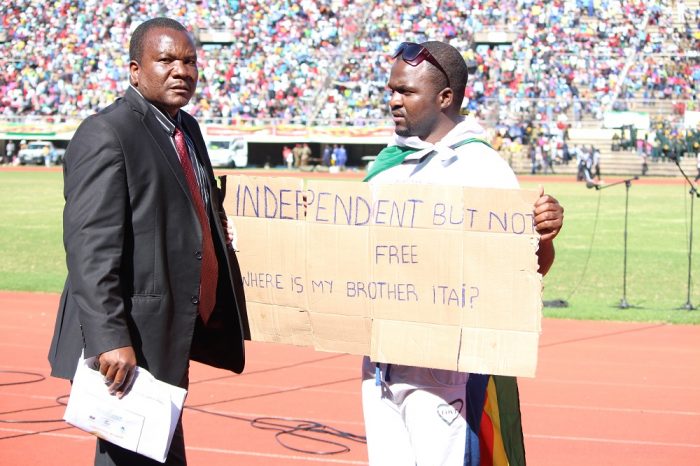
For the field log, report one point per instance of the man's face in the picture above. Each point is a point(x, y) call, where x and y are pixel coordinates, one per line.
point(167, 74)
point(414, 103)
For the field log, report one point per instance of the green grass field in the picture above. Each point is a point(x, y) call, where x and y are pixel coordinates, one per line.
point(588, 271)
point(32, 248)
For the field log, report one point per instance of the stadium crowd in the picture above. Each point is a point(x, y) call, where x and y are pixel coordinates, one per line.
point(328, 60)
point(567, 58)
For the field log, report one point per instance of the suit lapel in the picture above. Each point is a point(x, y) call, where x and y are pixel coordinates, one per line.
point(163, 142)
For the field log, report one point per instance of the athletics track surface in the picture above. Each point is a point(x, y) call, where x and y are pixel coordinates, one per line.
point(605, 394)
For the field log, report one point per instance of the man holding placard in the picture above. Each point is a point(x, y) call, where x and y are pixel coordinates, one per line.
point(415, 415)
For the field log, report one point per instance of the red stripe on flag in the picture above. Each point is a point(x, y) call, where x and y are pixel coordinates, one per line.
point(486, 438)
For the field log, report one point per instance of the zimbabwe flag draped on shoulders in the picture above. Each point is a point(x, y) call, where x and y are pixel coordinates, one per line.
point(494, 428)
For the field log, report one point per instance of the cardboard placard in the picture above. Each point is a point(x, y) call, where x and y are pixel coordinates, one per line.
point(424, 275)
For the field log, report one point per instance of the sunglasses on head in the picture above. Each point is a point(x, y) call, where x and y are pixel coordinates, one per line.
point(414, 54)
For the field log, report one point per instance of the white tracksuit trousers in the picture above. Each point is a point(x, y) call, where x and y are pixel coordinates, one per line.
point(414, 416)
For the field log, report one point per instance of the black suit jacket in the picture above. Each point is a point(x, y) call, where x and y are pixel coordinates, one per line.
point(133, 242)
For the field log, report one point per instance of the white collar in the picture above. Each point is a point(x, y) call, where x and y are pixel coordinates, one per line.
point(468, 127)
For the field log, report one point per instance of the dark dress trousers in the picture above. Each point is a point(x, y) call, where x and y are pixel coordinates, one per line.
point(133, 246)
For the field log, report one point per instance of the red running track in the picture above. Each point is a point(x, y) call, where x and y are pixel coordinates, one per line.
point(605, 394)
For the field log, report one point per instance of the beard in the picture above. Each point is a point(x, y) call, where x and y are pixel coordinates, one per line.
point(421, 129)
point(403, 131)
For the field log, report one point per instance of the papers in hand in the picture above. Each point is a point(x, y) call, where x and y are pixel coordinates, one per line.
point(142, 421)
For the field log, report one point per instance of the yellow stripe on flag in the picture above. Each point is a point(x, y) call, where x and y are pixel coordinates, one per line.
point(491, 408)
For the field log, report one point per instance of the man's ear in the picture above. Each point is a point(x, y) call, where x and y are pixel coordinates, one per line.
point(134, 71)
point(446, 97)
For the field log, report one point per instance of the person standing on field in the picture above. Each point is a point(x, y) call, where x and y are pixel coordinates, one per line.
point(415, 415)
point(152, 278)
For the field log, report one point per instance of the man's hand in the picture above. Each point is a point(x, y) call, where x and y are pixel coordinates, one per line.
point(118, 368)
point(229, 230)
point(549, 216)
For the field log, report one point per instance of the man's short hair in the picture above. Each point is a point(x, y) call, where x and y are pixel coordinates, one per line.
point(456, 68)
point(141, 31)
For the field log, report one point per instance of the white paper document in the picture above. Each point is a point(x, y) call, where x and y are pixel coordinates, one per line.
point(143, 421)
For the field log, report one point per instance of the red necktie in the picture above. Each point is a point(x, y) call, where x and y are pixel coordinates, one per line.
point(210, 265)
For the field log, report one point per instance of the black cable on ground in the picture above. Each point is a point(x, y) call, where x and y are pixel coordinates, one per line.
point(287, 428)
point(35, 379)
point(27, 434)
point(590, 250)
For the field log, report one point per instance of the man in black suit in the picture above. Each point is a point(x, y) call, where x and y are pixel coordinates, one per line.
point(151, 279)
